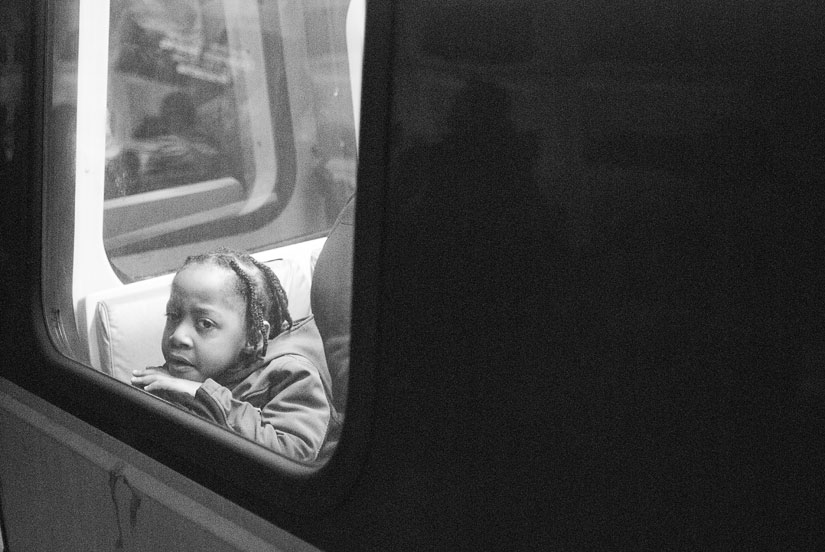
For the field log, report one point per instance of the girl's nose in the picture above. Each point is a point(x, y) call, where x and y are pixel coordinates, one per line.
point(181, 336)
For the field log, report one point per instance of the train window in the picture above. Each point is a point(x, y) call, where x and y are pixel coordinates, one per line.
point(181, 127)
point(214, 112)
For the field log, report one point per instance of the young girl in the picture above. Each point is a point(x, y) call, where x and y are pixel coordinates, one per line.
point(233, 355)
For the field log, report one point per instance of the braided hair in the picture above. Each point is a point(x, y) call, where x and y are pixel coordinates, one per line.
point(265, 298)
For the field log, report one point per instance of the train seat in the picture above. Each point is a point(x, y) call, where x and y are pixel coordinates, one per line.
point(331, 301)
point(127, 323)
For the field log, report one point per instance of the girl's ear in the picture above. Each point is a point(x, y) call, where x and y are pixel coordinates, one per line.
point(263, 340)
point(258, 348)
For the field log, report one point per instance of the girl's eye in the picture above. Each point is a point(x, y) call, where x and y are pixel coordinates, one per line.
point(171, 315)
point(205, 324)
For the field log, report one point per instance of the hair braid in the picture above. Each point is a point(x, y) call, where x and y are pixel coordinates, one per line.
point(279, 319)
point(254, 308)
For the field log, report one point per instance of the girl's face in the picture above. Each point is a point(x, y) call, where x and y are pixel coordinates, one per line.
point(205, 331)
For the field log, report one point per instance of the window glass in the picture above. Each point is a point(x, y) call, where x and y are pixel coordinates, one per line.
point(223, 122)
point(214, 124)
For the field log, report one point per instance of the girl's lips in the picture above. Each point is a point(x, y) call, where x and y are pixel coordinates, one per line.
point(179, 360)
point(179, 365)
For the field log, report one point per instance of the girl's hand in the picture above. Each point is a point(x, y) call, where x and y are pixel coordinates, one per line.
point(157, 378)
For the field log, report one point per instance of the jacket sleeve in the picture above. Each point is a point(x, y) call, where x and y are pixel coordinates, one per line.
point(294, 414)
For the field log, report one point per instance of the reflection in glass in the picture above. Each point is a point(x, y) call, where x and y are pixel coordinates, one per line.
point(172, 118)
point(227, 121)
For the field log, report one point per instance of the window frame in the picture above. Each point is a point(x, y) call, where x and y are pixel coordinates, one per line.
point(291, 488)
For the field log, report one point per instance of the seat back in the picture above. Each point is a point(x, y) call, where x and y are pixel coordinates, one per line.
point(331, 301)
